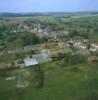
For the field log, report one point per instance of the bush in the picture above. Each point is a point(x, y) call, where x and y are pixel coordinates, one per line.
point(74, 59)
point(75, 69)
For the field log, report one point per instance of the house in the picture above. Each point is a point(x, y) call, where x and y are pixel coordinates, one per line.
point(83, 47)
point(93, 58)
point(66, 33)
point(93, 49)
point(77, 45)
point(61, 44)
point(40, 30)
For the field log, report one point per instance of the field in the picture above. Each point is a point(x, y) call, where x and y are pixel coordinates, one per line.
point(77, 82)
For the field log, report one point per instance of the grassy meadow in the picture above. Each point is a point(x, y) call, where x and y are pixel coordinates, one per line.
point(61, 82)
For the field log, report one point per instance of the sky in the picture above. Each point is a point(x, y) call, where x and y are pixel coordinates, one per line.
point(48, 5)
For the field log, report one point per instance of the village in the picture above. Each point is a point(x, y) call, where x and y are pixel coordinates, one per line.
point(45, 53)
point(51, 57)
point(55, 40)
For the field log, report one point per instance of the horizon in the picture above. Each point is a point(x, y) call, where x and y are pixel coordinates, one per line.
point(51, 12)
point(46, 6)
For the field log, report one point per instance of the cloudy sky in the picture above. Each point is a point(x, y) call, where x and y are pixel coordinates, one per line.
point(48, 5)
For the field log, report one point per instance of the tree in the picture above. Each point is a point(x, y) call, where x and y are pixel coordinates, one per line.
point(29, 39)
point(39, 76)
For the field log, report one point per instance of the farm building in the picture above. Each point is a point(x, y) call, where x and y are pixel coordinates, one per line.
point(30, 62)
point(2, 46)
point(37, 59)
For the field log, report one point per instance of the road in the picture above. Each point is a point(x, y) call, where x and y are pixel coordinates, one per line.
point(20, 50)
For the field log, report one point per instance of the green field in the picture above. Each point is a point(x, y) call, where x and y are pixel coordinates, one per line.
point(61, 82)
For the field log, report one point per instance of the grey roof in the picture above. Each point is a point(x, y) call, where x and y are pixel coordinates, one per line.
point(30, 61)
point(1, 46)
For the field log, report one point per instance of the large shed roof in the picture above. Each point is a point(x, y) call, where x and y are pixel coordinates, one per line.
point(30, 61)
